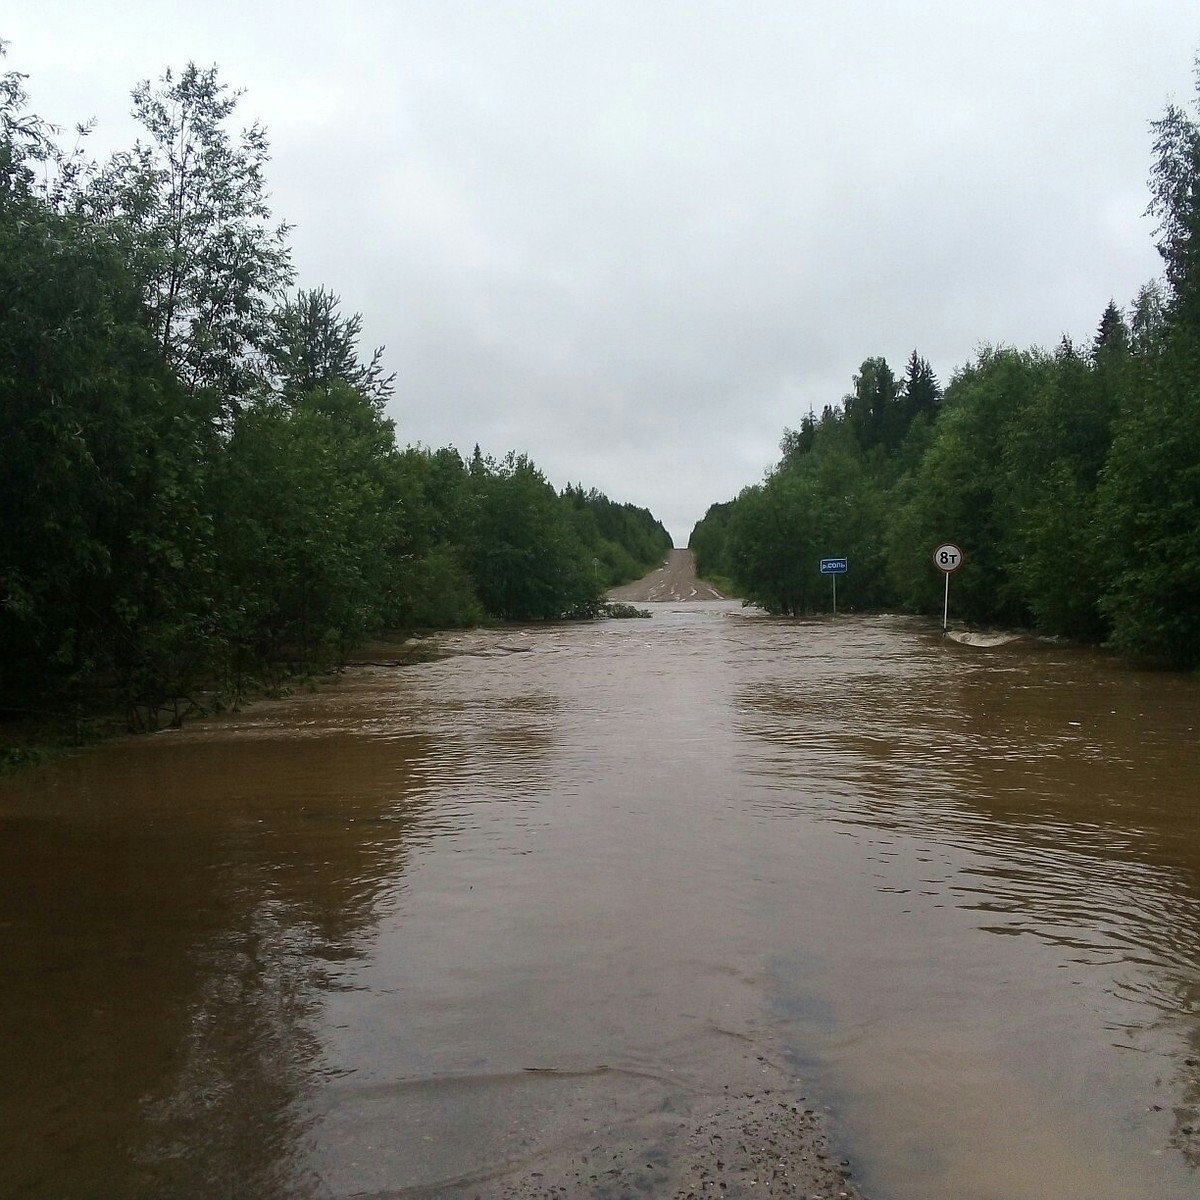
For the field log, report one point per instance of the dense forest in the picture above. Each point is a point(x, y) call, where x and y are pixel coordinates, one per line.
point(200, 489)
point(1071, 479)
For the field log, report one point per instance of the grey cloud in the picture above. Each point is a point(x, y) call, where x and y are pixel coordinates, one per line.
point(637, 240)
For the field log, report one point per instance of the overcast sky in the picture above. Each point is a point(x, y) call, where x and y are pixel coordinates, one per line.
point(636, 240)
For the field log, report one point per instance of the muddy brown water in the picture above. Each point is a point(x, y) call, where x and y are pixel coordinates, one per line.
point(437, 928)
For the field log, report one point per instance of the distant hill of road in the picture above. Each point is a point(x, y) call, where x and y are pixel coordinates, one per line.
point(675, 580)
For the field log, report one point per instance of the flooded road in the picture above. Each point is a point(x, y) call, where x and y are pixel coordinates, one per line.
point(526, 918)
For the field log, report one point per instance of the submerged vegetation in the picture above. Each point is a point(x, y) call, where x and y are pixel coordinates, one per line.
point(623, 612)
point(201, 492)
point(1071, 480)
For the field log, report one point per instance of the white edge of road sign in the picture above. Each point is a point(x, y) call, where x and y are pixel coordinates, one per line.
point(948, 557)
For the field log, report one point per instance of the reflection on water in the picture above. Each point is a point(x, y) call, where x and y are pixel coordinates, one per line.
point(1049, 794)
point(174, 908)
point(432, 927)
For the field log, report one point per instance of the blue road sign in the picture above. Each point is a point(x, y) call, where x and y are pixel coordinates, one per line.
point(833, 566)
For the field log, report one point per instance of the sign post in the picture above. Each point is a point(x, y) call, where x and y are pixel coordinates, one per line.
point(834, 567)
point(947, 558)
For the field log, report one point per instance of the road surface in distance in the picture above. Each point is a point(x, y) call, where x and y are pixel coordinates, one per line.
point(675, 580)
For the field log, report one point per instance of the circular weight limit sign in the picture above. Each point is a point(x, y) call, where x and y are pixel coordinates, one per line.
point(948, 557)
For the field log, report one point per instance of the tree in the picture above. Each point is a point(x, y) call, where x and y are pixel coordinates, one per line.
point(24, 139)
point(307, 533)
point(872, 409)
point(962, 491)
point(813, 504)
point(311, 345)
point(1175, 202)
point(1149, 321)
point(1149, 509)
point(526, 558)
point(769, 539)
point(795, 443)
point(709, 542)
point(192, 205)
point(1149, 496)
point(1112, 334)
point(920, 392)
point(622, 540)
point(428, 491)
point(103, 538)
point(1052, 463)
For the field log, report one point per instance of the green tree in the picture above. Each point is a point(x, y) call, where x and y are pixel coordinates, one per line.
point(103, 536)
point(192, 203)
point(920, 392)
point(709, 542)
point(311, 345)
point(962, 491)
point(1149, 495)
point(307, 534)
point(1175, 203)
point(25, 139)
point(1149, 507)
point(813, 505)
point(873, 409)
point(524, 554)
point(1052, 460)
point(768, 541)
point(434, 587)
point(1112, 334)
point(623, 540)
point(1148, 322)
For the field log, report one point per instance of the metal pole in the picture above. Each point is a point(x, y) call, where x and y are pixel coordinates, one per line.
point(835, 595)
point(946, 604)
